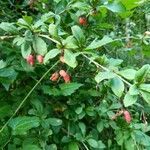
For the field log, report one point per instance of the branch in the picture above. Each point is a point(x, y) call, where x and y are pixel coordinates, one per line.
point(47, 37)
point(6, 37)
point(106, 69)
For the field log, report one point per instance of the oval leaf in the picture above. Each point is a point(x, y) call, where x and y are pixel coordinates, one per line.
point(98, 43)
point(70, 58)
point(54, 121)
point(142, 74)
point(51, 54)
point(69, 88)
point(39, 45)
point(21, 125)
point(117, 86)
point(78, 34)
point(104, 75)
point(93, 143)
point(25, 49)
point(73, 146)
point(129, 99)
point(128, 74)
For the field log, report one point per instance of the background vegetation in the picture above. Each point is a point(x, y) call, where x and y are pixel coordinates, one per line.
point(74, 74)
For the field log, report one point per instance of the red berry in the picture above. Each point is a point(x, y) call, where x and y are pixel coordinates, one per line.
point(67, 78)
point(82, 21)
point(30, 60)
point(127, 116)
point(54, 76)
point(39, 58)
point(62, 73)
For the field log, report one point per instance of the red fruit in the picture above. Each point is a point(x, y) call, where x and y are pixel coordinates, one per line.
point(127, 116)
point(67, 78)
point(30, 60)
point(39, 58)
point(54, 76)
point(62, 73)
point(82, 21)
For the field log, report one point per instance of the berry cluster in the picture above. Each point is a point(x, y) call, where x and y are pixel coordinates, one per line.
point(31, 60)
point(63, 74)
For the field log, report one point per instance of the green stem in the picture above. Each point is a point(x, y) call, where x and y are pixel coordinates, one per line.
point(30, 92)
point(46, 36)
point(6, 37)
point(85, 146)
point(106, 69)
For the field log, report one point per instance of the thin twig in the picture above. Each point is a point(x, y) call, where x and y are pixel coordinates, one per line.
point(85, 146)
point(6, 143)
point(106, 69)
point(46, 36)
point(30, 92)
point(6, 37)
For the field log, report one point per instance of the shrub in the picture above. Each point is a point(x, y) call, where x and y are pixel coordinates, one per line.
point(75, 75)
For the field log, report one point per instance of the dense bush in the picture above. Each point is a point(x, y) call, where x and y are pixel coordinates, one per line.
point(75, 74)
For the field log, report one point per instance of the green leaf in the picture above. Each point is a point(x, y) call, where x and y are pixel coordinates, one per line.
point(128, 74)
point(78, 110)
point(70, 58)
point(82, 127)
point(73, 146)
point(98, 43)
point(25, 49)
point(54, 121)
point(18, 40)
point(145, 87)
point(115, 7)
point(21, 22)
point(5, 110)
point(28, 19)
point(100, 126)
point(142, 74)
point(101, 145)
point(130, 4)
point(2, 64)
point(20, 125)
point(117, 86)
point(146, 96)
point(31, 147)
point(53, 30)
point(115, 62)
point(141, 138)
point(78, 34)
point(7, 72)
point(129, 100)
point(51, 91)
point(51, 54)
point(7, 77)
point(52, 147)
point(70, 43)
point(39, 45)
point(104, 75)
point(8, 27)
point(37, 104)
point(133, 90)
point(69, 88)
point(93, 143)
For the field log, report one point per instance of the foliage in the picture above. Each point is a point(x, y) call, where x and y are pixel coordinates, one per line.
point(101, 98)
